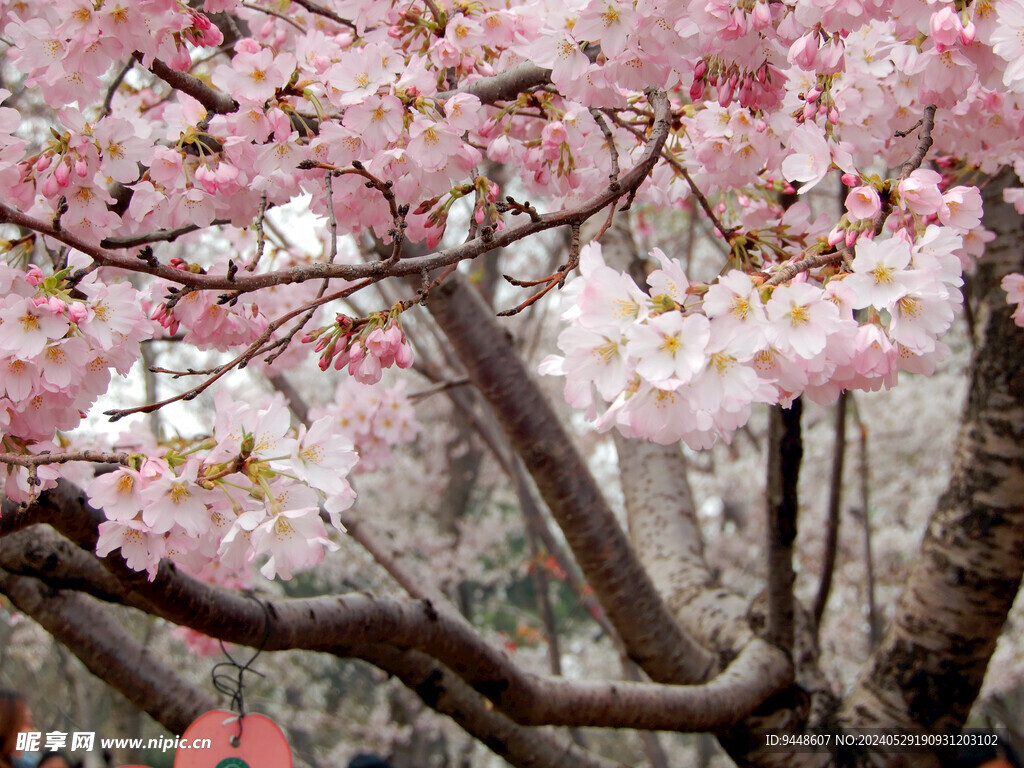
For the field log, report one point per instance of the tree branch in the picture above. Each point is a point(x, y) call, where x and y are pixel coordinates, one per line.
point(835, 490)
point(215, 101)
point(785, 450)
point(444, 692)
point(651, 635)
point(354, 620)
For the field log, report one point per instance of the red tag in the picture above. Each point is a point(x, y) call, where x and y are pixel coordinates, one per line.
point(262, 745)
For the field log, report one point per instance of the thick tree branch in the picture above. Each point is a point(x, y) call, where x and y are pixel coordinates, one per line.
point(444, 692)
point(350, 621)
point(505, 86)
point(651, 635)
point(664, 530)
point(214, 100)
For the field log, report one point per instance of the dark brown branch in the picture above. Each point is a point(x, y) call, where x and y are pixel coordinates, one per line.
point(215, 101)
point(924, 143)
point(785, 451)
point(327, 13)
point(158, 236)
point(625, 591)
point(835, 492)
point(356, 620)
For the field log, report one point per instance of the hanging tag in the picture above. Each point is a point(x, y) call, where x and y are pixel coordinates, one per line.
point(262, 745)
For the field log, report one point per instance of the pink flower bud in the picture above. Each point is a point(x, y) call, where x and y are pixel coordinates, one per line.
point(696, 90)
point(77, 312)
point(761, 15)
point(863, 202)
point(43, 162)
point(835, 236)
point(803, 51)
point(181, 61)
point(945, 28)
point(851, 238)
point(968, 34)
point(404, 355)
point(34, 275)
point(62, 173)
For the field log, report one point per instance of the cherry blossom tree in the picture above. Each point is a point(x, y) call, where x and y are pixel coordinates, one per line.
point(155, 154)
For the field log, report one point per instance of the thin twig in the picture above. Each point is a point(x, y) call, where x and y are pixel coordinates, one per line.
point(613, 152)
point(261, 242)
point(63, 457)
point(114, 85)
point(443, 386)
point(924, 143)
point(272, 12)
point(319, 10)
point(549, 282)
point(679, 168)
point(239, 361)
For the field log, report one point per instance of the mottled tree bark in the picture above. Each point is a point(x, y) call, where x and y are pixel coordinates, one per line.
point(929, 667)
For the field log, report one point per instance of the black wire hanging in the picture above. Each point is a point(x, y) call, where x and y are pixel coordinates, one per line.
point(228, 677)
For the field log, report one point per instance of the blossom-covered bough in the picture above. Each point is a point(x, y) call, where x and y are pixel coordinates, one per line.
point(135, 133)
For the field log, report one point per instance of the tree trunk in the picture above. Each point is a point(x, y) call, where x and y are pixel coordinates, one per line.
point(930, 665)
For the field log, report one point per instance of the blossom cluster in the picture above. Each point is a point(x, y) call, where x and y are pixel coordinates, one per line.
point(254, 489)
point(366, 347)
point(131, 126)
point(59, 342)
point(208, 321)
point(687, 362)
point(376, 420)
